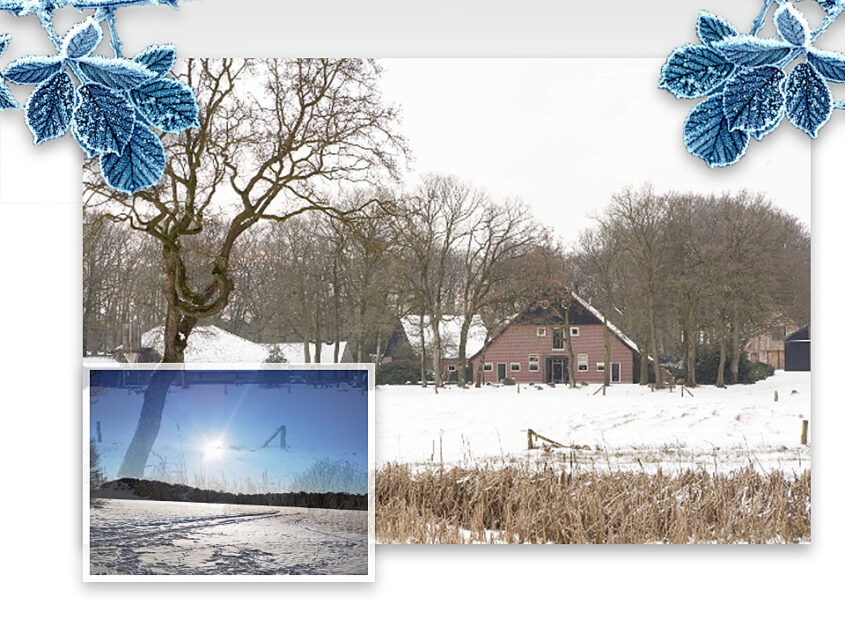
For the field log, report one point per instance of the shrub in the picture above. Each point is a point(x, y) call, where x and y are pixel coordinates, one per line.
point(508, 380)
point(399, 372)
point(707, 367)
point(275, 355)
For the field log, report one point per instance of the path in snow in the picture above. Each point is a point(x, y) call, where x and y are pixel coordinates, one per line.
point(140, 537)
point(630, 428)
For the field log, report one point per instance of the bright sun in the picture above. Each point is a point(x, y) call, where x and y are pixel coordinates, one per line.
point(213, 449)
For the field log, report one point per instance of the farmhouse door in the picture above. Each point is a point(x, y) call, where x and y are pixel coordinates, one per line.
point(500, 371)
point(615, 372)
point(557, 370)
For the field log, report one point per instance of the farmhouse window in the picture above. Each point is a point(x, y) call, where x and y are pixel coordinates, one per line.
point(558, 341)
point(600, 366)
point(583, 363)
point(451, 367)
point(488, 367)
point(541, 332)
point(533, 362)
point(574, 331)
point(514, 367)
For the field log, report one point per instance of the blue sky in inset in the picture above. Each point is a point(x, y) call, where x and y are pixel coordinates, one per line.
point(212, 433)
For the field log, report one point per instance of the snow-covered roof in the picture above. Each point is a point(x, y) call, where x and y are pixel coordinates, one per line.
point(450, 334)
point(610, 326)
point(212, 344)
point(295, 352)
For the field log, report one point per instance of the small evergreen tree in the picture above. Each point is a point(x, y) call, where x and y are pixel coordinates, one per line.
point(275, 355)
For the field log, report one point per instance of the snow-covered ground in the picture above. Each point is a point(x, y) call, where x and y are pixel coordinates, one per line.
point(631, 427)
point(140, 537)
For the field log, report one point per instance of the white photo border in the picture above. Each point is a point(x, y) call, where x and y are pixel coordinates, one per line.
point(89, 365)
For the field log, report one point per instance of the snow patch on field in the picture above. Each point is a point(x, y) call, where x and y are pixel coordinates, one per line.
point(631, 427)
point(140, 537)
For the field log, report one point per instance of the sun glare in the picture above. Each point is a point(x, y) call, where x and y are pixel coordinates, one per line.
point(213, 449)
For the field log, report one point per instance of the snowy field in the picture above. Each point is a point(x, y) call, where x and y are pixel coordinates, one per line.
point(629, 428)
point(140, 537)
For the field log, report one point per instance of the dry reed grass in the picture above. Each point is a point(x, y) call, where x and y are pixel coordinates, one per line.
point(514, 504)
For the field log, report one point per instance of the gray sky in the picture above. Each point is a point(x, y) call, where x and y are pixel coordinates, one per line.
point(564, 134)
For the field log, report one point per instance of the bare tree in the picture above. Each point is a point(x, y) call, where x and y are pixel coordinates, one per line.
point(641, 217)
point(274, 138)
point(433, 221)
point(498, 236)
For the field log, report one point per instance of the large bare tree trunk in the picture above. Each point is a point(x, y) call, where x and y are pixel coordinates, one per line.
point(606, 352)
point(720, 374)
point(436, 356)
point(692, 353)
point(736, 349)
point(462, 352)
point(423, 382)
point(652, 335)
point(479, 373)
point(643, 365)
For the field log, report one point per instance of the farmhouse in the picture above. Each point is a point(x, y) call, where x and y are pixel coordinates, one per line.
point(408, 338)
point(532, 348)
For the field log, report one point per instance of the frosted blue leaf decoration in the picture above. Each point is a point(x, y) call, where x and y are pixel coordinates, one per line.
point(158, 59)
point(167, 104)
point(32, 70)
point(120, 74)
point(48, 110)
point(809, 103)
point(753, 99)
point(88, 151)
point(761, 84)
point(694, 71)
point(82, 39)
point(711, 28)
point(750, 51)
point(792, 26)
point(829, 64)
point(140, 166)
point(829, 5)
point(759, 135)
point(110, 104)
point(103, 118)
point(708, 136)
point(7, 99)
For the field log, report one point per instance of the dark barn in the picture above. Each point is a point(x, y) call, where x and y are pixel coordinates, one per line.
point(797, 350)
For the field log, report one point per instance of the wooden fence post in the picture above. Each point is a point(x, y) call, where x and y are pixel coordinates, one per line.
point(804, 425)
point(531, 439)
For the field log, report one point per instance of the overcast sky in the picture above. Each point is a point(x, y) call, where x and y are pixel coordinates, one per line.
point(564, 134)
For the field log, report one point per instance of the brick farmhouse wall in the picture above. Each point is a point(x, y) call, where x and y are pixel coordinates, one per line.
point(517, 342)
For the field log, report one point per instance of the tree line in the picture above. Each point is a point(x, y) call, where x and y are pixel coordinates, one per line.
point(283, 216)
point(673, 271)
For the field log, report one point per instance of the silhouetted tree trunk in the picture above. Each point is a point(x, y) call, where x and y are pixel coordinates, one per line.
point(135, 460)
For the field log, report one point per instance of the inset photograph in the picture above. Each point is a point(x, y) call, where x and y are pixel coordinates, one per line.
point(228, 473)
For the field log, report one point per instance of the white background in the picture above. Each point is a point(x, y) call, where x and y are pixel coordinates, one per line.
point(690, 589)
